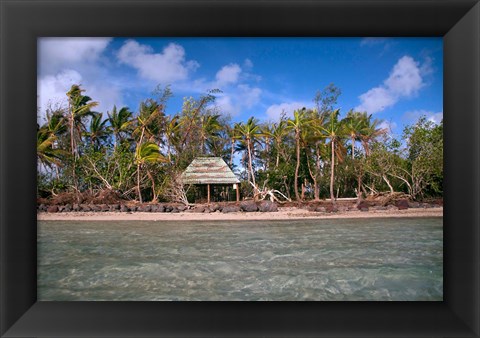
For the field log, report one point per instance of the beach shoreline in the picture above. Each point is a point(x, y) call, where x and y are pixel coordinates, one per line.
point(281, 214)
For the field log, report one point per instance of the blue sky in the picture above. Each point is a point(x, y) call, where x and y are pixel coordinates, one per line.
point(396, 79)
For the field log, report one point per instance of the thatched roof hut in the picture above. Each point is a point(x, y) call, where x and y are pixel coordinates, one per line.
point(210, 171)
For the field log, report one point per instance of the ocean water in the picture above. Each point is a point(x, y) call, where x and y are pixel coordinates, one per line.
point(396, 259)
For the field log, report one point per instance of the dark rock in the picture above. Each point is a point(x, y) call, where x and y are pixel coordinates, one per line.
point(312, 207)
point(402, 204)
point(158, 208)
point(331, 208)
point(215, 207)
point(124, 208)
point(391, 207)
point(114, 207)
point(104, 207)
point(85, 207)
point(181, 207)
point(52, 208)
point(414, 205)
point(94, 207)
point(364, 209)
point(67, 208)
point(231, 208)
point(362, 204)
point(175, 210)
point(267, 206)
point(248, 206)
point(168, 208)
point(199, 209)
point(144, 208)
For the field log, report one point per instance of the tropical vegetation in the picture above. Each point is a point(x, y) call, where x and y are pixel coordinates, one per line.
point(314, 154)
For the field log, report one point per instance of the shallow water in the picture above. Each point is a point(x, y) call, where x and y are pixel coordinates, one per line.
point(323, 260)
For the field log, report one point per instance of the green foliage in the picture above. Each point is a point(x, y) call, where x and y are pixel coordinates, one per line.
point(314, 154)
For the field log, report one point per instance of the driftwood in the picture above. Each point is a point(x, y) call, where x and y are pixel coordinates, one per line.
point(264, 192)
point(385, 198)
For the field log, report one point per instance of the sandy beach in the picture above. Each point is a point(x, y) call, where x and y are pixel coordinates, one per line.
point(282, 214)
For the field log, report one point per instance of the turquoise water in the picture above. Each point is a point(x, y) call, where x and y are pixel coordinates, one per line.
point(322, 260)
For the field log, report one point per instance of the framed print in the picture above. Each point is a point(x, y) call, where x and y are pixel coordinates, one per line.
point(25, 23)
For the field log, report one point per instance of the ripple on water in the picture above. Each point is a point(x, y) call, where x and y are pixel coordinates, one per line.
point(370, 259)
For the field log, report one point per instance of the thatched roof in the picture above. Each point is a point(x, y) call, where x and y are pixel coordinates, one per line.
point(208, 170)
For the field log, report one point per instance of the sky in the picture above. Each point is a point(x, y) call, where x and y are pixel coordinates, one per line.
point(395, 79)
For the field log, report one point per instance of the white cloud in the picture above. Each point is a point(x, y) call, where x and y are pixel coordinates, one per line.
point(228, 74)
point(405, 80)
point(275, 111)
point(376, 99)
point(56, 54)
point(67, 61)
point(226, 106)
point(166, 67)
point(414, 115)
point(389, 125)
point(249, 96)
point(238, 99)
point(248, 64)
point(52, 91)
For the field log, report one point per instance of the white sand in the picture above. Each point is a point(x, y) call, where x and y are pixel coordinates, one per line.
point(282, 214)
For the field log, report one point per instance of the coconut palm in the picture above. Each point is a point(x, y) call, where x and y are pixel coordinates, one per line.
point(147, 152)
point(210, 127)
point(334, 131)
point(97, 132)
point(79, 107)
point(249, 133)
point(120, 122)
point(46, 153)
point(370, 132)
point(297, 124)
point(354, 126)
point(173, 126)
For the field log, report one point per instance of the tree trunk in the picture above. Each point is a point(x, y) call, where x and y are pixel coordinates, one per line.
point(138, 184)
point(297, 167)
point(232, 152)
point(353, 148)
point(332, 174)
point(388, 183)
point(153, 186)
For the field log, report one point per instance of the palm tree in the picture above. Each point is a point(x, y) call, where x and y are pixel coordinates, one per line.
point(147, 152)
point(120, 122)
point(149, 121)
point(249, 133)
point(79, 106)
point(334, 131)
point(298, 123)
point(370, 132)
point(98, 131)
point(172, 133)
point(46, 153)
point(232, 135)
point(209, 129)
point(354, 126)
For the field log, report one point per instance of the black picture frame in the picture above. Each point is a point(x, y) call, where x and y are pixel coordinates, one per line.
point(23, 21)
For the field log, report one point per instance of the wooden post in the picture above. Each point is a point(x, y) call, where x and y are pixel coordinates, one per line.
point(208, 193)
point(238, 193)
